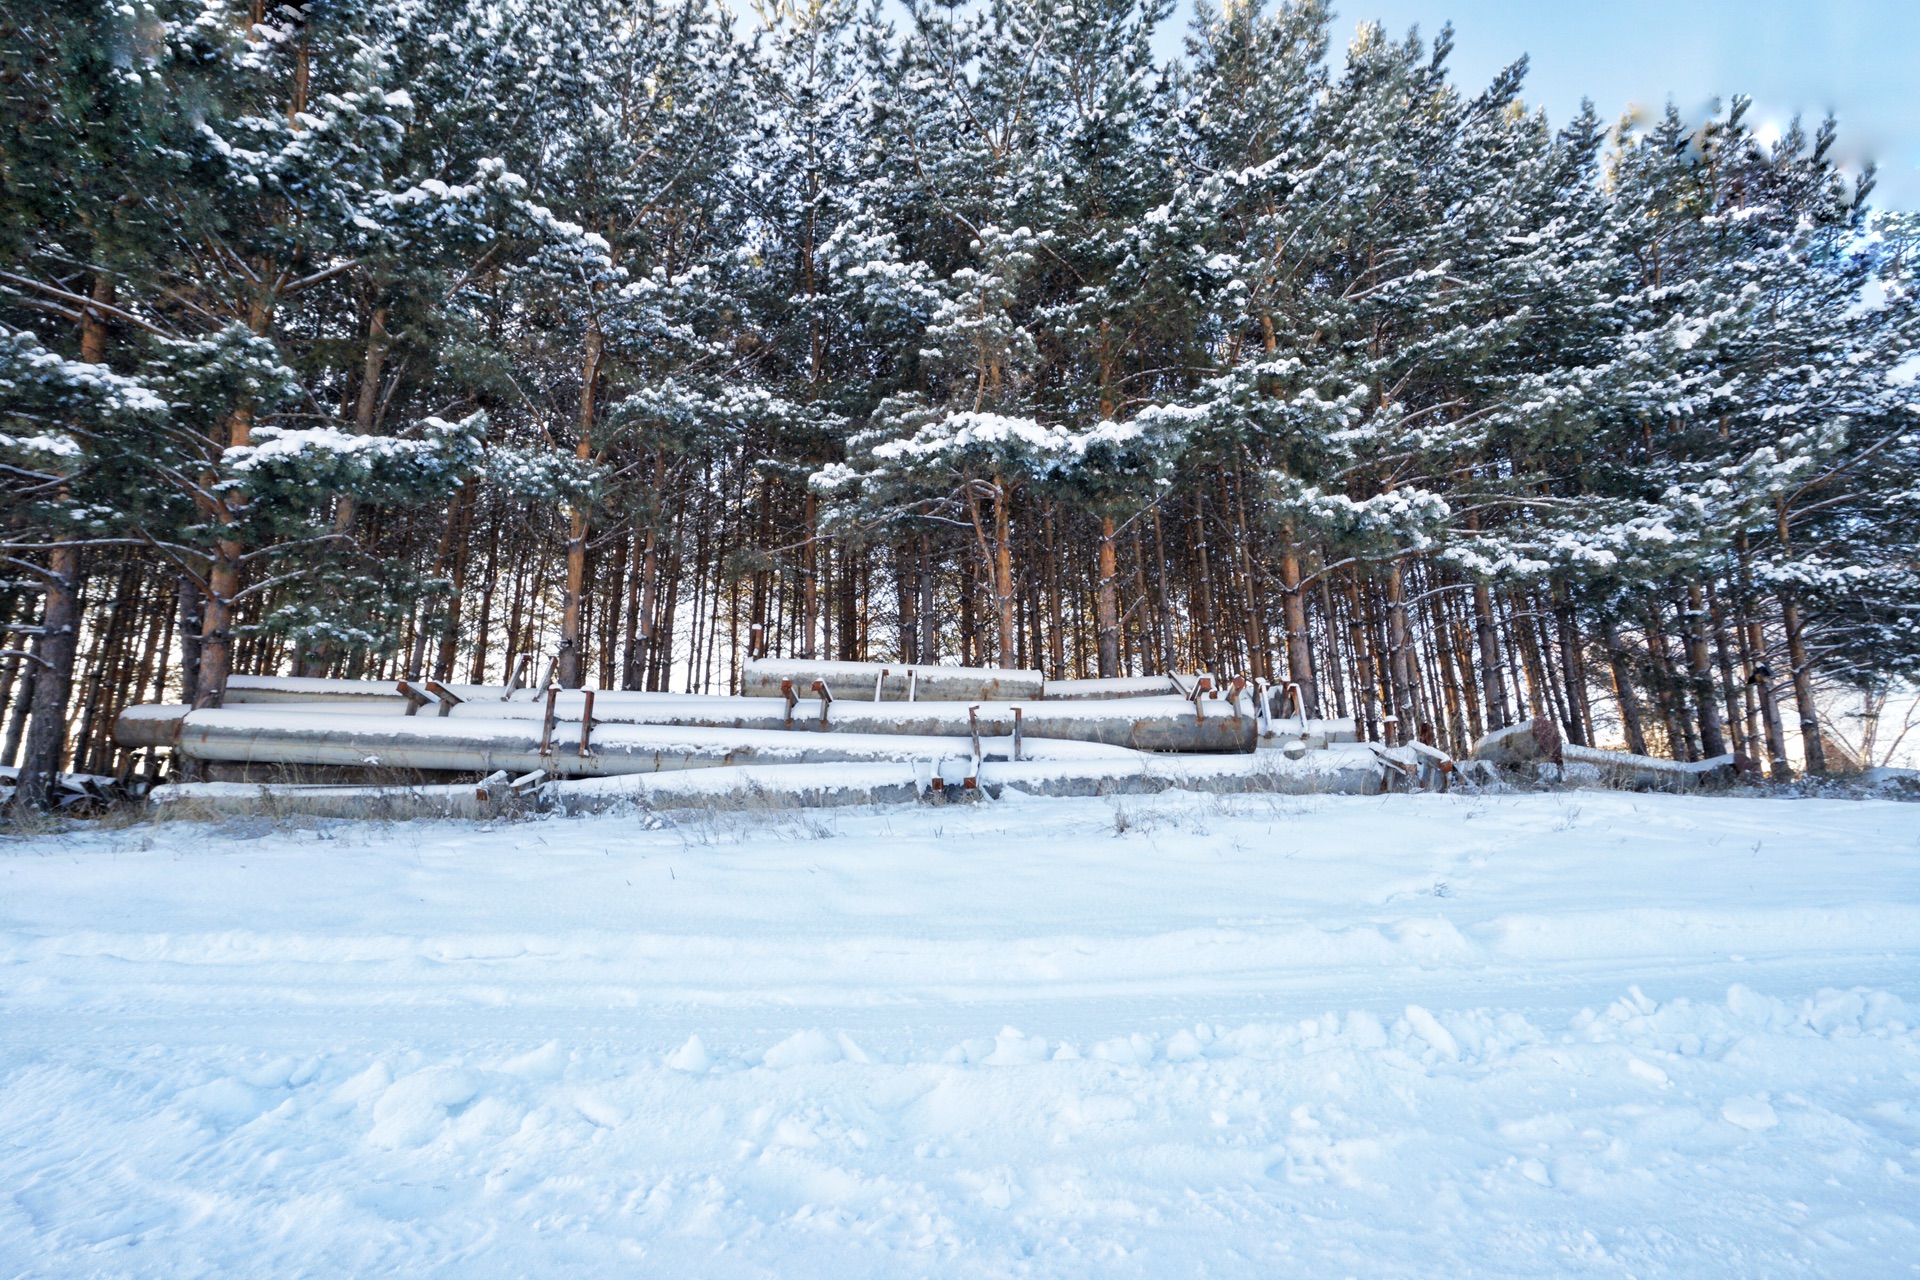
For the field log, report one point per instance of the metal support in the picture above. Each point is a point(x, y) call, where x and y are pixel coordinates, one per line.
point(913, 683)
point(546, 724)
point(879, 681)
point(1016, 734)
point(415, 699)
point(826, 699)
point(1295, 701)
point(786, 691)
point(1202, 686)
point(519, 674)
point(586, 727)
point(973, 725)
point(448, 699)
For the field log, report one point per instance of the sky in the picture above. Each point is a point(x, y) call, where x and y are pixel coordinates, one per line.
point(1858, 59)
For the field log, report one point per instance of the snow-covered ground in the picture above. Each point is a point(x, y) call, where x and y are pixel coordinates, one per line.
point(1572, 1034)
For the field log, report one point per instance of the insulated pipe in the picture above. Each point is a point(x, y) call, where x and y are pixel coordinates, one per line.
point(1113, 687)
point(368, 695)
point(762, 678)
point(1143, 724)
point(470, 744)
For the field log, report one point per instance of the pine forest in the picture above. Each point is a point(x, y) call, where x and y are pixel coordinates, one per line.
point(627, 339)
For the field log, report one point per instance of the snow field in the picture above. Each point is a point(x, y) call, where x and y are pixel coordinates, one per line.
point(1586, 1034)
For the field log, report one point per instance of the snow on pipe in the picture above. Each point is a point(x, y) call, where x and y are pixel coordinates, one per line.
point(866, 681)
point(885, 682)
point(1146, 724)
point(1343, 770)
point(561, 748)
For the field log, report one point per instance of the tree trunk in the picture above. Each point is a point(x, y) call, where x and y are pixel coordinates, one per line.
point(1056, 620)
point(462, 556)
point(1398, 663)
point(1797, 654)
point(1810, 743)
point(1729, 688)
point(1573, 674)
point(47, 731)
point(1623, 690)
point(17, 721)
point(1366, 683)
point(1152, 661)
point(1492, 677)
point(570, 668)
point(639, 652)
point(1293, 608)
point(906, 597)
point(1003, 574)
point(929, 620)
point(809, 588)
point(1713, 740)
point(1169, 659)
point(1107, 603)
point(1202, 592)
point(60, 618)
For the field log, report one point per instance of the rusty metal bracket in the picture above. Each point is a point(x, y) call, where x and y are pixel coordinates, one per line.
point(415, 699)
point(448, 699)
point(786, 691)
point(1202, 686)
point(519, 674)
point(586, 728)
point(546, 723)
point(826, 699)
point(1016, 734)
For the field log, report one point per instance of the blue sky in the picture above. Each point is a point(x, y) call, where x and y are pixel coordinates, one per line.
point(1857, 58)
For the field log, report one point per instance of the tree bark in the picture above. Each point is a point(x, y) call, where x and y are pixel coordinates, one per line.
point(929, 620)
point(1810, 743)
point(60, 618)
point(1623, 690)
point(1293, 608)
point(570, 667)
point(809, 588)
point(1492, 677)
point(1713, 740)
point(1398, 663)
point(1003, 573)
point(1107, 603)
point(640, 648)
point(47, 730)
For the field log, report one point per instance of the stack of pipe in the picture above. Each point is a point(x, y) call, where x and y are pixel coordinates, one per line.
point(795, 715)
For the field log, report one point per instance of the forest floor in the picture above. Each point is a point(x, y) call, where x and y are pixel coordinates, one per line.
point(1583, 1033)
